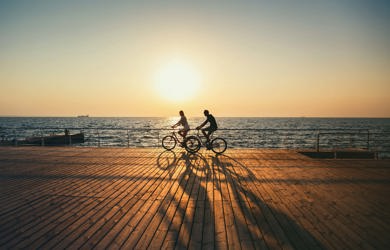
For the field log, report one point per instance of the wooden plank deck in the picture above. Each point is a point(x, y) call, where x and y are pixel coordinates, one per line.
point(111, 198)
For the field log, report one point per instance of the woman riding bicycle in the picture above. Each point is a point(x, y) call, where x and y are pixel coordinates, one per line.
point(183, 122)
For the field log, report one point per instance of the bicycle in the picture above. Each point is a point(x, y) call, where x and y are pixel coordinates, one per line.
point(194, 142)
point(169, 141)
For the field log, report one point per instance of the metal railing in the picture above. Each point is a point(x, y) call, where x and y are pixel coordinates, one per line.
point(362, 136)
point(315, 139)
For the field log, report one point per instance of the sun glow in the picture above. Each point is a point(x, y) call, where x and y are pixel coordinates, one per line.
point(177, 81)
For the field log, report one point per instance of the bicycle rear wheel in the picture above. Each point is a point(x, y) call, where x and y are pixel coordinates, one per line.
point(169, 142)
point(192, 144)
point(218, 145)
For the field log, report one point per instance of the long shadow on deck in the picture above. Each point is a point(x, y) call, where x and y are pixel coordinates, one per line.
point(232, 212)
point(200, 200)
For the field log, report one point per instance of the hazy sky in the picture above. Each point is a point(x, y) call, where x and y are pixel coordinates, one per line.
point(236, 58)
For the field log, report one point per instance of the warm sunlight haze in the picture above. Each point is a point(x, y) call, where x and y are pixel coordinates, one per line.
point(177, 81)
point(194, 124)
point(237, 58)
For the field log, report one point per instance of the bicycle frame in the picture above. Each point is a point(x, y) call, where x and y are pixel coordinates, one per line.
point(169, 141)
point(193, 143)
point(202, 138)
point(175, 135)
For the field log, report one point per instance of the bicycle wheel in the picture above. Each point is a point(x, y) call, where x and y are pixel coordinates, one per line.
point(169, 142)
point(192, 144)
point(218, 145)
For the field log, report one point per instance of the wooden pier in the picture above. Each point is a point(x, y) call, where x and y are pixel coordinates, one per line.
point(119, 198)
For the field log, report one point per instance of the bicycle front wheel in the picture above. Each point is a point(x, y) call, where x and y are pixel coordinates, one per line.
point(192, 144)
point(218, 145)
point(169, 142)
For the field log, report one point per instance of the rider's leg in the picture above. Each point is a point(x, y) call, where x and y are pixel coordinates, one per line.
point(183, 134)
point(204, 133)
point(210, 131)
point(208, 145)
point(208, 135)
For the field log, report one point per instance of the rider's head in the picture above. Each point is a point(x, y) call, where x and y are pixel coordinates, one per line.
point(206, 112)
point(181, 113)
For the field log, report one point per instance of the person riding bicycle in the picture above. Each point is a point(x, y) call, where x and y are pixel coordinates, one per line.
point(183, 122)
point(209, 130)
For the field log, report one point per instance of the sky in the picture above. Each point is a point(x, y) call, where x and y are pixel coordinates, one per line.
point(277, 58)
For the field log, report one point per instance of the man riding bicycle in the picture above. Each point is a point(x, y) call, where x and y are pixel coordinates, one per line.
point(208, 130)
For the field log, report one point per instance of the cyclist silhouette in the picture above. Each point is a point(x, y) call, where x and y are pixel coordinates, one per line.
point(183, 122)
point(210, 129)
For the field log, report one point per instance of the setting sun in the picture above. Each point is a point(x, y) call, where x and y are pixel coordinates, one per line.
point(177, 81)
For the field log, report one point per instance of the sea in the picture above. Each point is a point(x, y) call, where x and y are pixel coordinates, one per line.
point(244, 132)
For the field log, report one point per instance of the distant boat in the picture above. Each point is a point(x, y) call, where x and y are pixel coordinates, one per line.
point(83, 116)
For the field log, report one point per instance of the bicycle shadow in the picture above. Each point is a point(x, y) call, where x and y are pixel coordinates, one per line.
point(167, 161)
point(218, 196)
point(186, 194)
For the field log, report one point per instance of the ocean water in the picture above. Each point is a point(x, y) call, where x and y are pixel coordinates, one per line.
point(326, 133)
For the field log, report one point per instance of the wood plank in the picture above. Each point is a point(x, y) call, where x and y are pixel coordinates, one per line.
point(168, 206)
point(110, 198)
point(220, 234)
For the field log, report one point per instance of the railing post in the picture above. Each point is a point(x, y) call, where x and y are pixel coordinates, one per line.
point(16, 141)
point(70, 139)
point(158, 138)
point(98, 138)
point(128, 138)
point(42, 138)
point(318, 142)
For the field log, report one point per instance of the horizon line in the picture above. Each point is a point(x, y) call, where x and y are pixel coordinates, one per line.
point(89, 116)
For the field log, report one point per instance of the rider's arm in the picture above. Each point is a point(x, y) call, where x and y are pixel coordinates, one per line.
point(180, 122)
point(201, 125)
point(175, 125)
